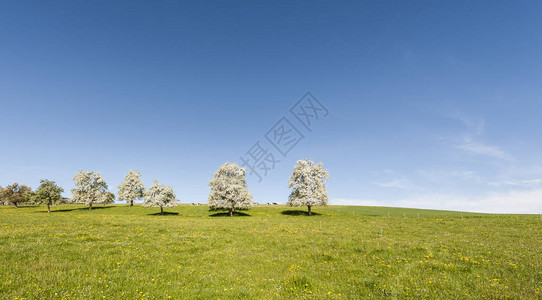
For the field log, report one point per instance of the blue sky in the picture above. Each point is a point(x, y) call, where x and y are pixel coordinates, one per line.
point(431, 105)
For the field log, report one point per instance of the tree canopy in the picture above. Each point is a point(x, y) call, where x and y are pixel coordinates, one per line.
point(15, 193)
point(307, 185)
point(48, 193)
point(90, 187)
point(132, 188)
point(109, 198)
point(160, 196)
point(229, 189)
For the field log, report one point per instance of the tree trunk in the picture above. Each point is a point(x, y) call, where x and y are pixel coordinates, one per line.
point(231, 212)
point(132, 203)
point(16, 204)
point(90, 206)
point(48, 207)
point(161, 210)
point(310, 213)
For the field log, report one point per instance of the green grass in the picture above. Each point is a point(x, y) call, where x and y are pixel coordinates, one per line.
point(127, 252)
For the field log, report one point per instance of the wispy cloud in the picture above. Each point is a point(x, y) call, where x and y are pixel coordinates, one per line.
point(524, 183)
point(467, 175)
point(484, 149)
point(472, 141)
point(445, 175)
point(515, 201)
point(396, 183)
point(497, 185)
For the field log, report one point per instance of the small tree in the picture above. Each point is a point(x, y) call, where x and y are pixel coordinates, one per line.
point(229, 189)
point(29, 197)
point(160, 196)
point(132, 188)
point(15, 193)
point(307, 185)
point(108, 198)
point(48, 193)
point(90, 188)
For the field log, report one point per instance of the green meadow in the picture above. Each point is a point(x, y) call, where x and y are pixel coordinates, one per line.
point(124, 252)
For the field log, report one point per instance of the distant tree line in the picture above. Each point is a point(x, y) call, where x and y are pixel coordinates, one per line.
point(229, 190)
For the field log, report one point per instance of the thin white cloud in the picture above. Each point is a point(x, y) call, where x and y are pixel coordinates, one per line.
point(384, 172)
point(485, 149)
point(357, 202)
point(524, 183)
point(472, 140)
point(396, 183)
point(507, 188)
point(467, 175)
point(516, 201)
point(395, 180)
point(443, 175)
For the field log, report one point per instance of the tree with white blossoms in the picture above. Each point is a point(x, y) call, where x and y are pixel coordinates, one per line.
point(160, 196)
point(229, 189)
point(307, 184)
point(131, 188)
point(90, 187)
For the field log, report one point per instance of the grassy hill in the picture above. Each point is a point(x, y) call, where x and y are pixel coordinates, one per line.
point(267, 252)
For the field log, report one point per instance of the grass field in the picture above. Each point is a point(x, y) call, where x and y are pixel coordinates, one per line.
point(127, 252)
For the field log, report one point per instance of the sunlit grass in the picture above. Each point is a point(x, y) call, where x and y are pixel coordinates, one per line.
point(267, 252)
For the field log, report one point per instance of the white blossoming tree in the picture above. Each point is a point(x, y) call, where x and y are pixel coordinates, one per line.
point(229, 189)
point(90, 187)
point(132, 188)
point(307, 185)
point(160, 196)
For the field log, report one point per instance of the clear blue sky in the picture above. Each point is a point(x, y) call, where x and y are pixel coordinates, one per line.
point(431, 104)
